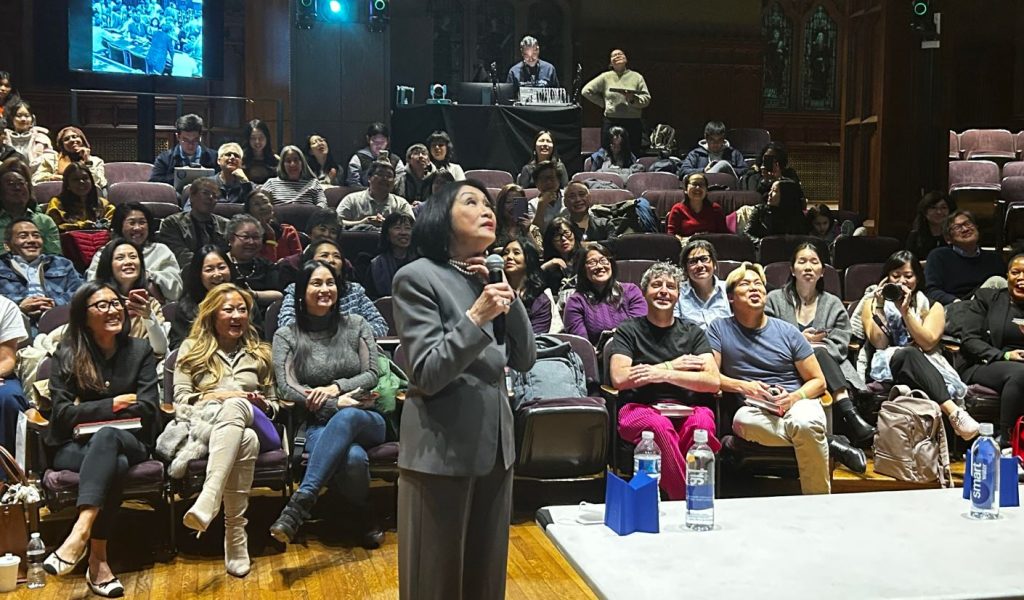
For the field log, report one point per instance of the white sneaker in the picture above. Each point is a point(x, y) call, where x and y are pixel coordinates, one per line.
point(964, 424)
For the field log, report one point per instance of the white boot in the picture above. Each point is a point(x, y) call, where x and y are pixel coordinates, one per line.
point(236, 501)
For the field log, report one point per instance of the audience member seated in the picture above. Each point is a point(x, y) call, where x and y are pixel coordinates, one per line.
point(72, 149)
point(395, 252)
point(8, 95)
point(187, 152)
point(823, 321)
point(99, 374)
point(615, 156)
point(122, 267)
point(232, 179)
point(31, 278)
point(224, 362)
point(770, 165)
point(713, 154)
point(321, 161)
point(295, 182)
point(377, 140)
point(702, 297)
point(30, 140)
point(906, 335)
point(695, 213)
point(12, 397)
point(821, 223)
point(992, 345)
point(259, 160)
point(543, 151)
point(210, 267)
point(658, 358)
point(414, 184)
point(79, 206)
point(442, 153)
point(956, 271)
point(354, 300)
point(548, 204)
point(513, 213)
point(436, 181)
point(16, 202)
point(322, 225)
point(782, 214)
point(367, 208)
point(186, 232)
point(523, 272)
point(561, 252)
point(927, 232)
point(253, 273)
point(759, 355)
point(586, 226)
point(134, 222)
point(600, 302)
point(322, 361)
point(280, 240)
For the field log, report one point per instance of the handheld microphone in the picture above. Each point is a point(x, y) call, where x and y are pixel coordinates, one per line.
point(495, 270)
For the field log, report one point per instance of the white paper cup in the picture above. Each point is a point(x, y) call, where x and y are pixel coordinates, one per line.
point(9, 572)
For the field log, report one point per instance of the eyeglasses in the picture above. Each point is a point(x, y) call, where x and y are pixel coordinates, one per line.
point(698, 260)
point(231, 154)
point(962, 227)
point(699, 184)
point(598, 262)
point(385, 176)
point(566, 234)
point(249, 238)
point(105, 305)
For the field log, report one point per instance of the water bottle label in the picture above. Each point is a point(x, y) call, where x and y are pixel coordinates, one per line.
point(700, 490)
point(981, 485)
point(651, 466)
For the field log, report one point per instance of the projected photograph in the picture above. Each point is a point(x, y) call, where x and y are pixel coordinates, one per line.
point(150, 37)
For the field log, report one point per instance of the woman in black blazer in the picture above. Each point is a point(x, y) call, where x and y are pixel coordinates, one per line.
point(99, 374)
point(992, 342)
point(455, 500)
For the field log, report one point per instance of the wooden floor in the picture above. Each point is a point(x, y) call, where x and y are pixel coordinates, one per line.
point(315, 568)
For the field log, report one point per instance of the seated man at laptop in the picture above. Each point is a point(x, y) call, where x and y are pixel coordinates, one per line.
point(29, 277)
point(188, 152)
point(768, 361)
point(659, 358)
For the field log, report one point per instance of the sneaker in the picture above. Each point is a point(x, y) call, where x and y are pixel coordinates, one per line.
point(964, 424)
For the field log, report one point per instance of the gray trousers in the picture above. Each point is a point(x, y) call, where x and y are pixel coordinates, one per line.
point(453, 534)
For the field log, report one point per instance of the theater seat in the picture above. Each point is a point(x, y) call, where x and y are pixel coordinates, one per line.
point(729, 246)
point(632, 271)
point(778, 273)
point(646, 246)
point(613, 178)
point(988, 144)
point(491, 178)
point(118, 172)
point(639, 183)
point(780, 248)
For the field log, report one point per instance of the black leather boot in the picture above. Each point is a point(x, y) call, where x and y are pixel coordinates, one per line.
point(292, 517)
point(852, 458)
point(851, 423)
point(366, 527)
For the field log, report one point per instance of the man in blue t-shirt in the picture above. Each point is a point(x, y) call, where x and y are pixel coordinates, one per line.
point(767, 360)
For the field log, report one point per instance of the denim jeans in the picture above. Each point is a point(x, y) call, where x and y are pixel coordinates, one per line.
point(337, 453)
point(12, 402)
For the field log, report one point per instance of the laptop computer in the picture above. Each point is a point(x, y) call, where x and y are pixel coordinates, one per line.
point(186, 175)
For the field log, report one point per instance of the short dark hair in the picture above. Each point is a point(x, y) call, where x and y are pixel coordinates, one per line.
point(9, 232)
point(442, 137)
point(777, 150)
point(544, 165)
point(121, 212)
point(323, 216)
point(376, 129)
point(377, 165)
point(612, 292)
point(395, 218)
point(947, 228)
point(189, 122)
point(714, 128)
point(698, 244)
point(432, 233)
point(905, 257)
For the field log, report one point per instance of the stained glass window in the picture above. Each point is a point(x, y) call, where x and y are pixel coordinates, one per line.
point(818, 76)
point(448, 36)
point(778, 35)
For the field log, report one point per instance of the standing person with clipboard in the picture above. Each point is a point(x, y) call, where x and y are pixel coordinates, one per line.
point(623, 94)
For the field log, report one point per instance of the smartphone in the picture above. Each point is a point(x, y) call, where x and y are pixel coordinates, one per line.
point(519, 208)
point(139, 295)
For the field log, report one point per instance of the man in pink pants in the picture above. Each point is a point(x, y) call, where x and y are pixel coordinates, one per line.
point(659, 358)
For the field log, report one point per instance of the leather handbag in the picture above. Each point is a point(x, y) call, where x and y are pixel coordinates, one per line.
point(13, 522)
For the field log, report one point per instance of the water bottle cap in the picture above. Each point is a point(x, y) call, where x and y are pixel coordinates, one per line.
point(700, 436)
point(34, 535)
point(647, 435)
point(986, 429)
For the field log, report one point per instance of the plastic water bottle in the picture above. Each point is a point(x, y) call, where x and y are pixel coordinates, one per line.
point(647, 459)
point(36, 553)
point(700, 484)
point(985, 475)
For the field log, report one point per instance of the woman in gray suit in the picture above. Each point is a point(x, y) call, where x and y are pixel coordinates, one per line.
point(455, 496)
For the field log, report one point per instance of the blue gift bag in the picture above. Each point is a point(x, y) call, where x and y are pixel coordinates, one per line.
point(631, 506)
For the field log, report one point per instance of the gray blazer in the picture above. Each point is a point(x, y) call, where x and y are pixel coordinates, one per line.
point(457, 408)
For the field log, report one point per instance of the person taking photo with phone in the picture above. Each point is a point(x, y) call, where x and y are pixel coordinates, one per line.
point(122, 266)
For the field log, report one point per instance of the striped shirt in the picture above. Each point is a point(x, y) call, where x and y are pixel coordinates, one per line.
point(308, 192)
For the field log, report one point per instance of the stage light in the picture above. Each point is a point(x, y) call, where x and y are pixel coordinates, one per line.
point(335, 6)
point(920, 7)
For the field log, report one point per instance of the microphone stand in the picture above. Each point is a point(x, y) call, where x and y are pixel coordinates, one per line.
point(493, 71)
point(577, 84)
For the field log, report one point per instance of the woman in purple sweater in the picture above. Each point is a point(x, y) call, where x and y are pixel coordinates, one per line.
point(600, 302)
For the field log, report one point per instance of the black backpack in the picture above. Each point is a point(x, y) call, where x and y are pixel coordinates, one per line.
point(558, 373)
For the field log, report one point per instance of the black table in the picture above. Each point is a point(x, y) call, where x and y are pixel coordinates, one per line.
point(491, 137)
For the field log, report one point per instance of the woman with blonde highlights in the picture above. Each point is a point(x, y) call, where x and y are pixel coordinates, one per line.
point(224, 362)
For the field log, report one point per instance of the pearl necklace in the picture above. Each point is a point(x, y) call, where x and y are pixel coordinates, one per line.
point(461, 267)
